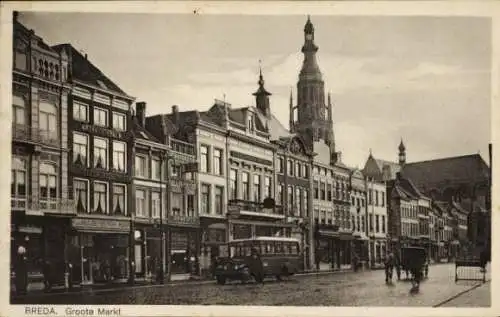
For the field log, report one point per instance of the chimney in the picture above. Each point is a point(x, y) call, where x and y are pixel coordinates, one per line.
point(15, 15)
point(140, 113)
point(175, 113)
point(398, 175)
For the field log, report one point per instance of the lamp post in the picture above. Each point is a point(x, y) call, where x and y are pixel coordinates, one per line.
point(165, 256)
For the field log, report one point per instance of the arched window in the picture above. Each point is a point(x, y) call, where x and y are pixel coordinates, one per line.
point(18, 110)
point(48, 119)
point(48, 184)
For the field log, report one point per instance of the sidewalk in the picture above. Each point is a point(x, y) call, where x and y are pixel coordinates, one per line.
point(477, 297)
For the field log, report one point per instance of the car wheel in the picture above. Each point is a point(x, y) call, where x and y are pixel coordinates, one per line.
point(221, 280)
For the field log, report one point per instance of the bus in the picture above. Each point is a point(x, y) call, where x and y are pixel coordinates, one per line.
point(257, 258)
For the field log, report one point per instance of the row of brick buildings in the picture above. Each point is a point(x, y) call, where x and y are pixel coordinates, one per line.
point(99, 184)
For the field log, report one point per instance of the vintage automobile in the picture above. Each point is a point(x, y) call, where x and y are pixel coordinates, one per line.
point(413, 258)
point(257, 258)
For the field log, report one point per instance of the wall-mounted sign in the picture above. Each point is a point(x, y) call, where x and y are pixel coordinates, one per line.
point(113, 225)
point(103, 131)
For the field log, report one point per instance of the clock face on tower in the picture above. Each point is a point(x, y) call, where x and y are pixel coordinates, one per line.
point(309, 37)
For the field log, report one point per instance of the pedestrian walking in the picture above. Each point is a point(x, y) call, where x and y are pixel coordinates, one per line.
point(389, 267)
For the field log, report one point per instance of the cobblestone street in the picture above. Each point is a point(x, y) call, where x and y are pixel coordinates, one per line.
point(336, 289)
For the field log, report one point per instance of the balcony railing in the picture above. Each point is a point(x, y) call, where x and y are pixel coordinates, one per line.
point(245, 205)
point(21, 132)
point(183, 219)
point(53, 205)
point(182, 147)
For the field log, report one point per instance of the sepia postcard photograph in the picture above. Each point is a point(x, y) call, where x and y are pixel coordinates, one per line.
point(287, 156)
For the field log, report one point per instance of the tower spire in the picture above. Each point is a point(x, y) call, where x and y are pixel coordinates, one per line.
point(291, 114)
point(262, 95)
point(402, 153)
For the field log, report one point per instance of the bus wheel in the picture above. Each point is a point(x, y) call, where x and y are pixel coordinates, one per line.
point(278, 277)
point(284, 271)
point(221, 280)
point(258, 278)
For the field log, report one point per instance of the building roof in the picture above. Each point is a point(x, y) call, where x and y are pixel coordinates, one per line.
point(139, 132)
point(83, 70)
point(451, 170)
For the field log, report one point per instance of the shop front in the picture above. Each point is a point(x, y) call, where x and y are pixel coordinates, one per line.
point(104, 250)
point(184, 248)
point(213, 234)
point(360, 245)
point(43, 240)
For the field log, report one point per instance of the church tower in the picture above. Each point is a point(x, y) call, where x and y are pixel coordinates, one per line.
point(262, 96)
point(314, 115)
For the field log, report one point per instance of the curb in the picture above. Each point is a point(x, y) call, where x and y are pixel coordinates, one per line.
point(460, 294)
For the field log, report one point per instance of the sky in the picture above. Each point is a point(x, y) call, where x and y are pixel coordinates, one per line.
point(425, 80)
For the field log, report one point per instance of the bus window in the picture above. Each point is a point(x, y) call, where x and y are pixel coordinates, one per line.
point(232, 251)
point(278, 247)
point(262, 248)
point(295, 249)
point(286, 248)
point(268, 248)
point(271, 248)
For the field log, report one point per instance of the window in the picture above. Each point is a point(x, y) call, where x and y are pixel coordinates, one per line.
point(204, 159)
point(177, 204)
point(281, 165)
point(48, 183)
point(81, 195)
point(323, 191)
point(19, 177)
point(155, 169)
point(233, 184)
point(218, 170)
point(190, 205)
point(80, 149)
point(18, 110)
point(358, 228)
point(100, 198)
point(370, 197)
point(297, 205)
point(267, 187)
point(376, 198)
point(382, 196)
point(80, 111)
point(205, 198)
point(119, 156)
point(140, 203)
point(290, 198)
point(100, 153)
point(329, 192)
point(256, 188)
point(250, 122)
point(155, 205)
point(305, 171)
point(246, 187)
point(363, 223)
point(280, 194)
point(119, 121)
point(305, 202)
point(290, 167)
point(219, 190)
point(370, 221)
point(48, 120)
point(316, 190)
point(100, 117)
point(119, 206)
point(297, 169)
point(377, 226)
point(140, 166)
point(21, 59)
